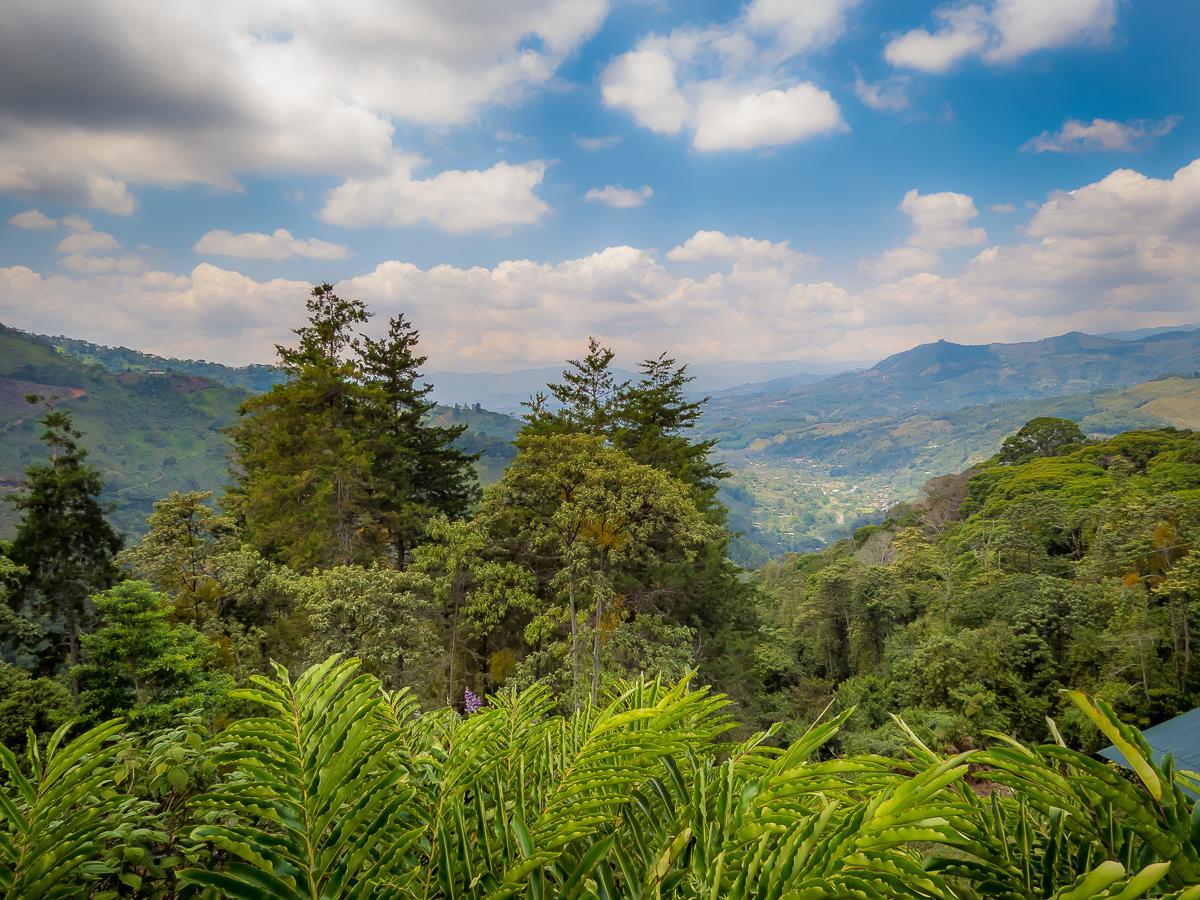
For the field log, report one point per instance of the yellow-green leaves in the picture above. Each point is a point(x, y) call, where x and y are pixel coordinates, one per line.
point(1113, 730)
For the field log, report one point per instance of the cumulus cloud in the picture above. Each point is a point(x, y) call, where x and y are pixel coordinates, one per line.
point(453, 200)
point(1101, 134)
point(90, 252)
point(899, 261)
point(940, 221)
point(1121, 252)
point(1001, 32)
point(741, 251)
point(87, 241)
point(620, 197)
point(205, 93)
point(729, 119)
point(728, 85)
point(33, 220)
point(280, 244)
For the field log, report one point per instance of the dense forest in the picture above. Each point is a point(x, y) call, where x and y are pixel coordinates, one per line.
point(357, 673)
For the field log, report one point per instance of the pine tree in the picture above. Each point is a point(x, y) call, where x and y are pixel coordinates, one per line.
point(654, 417)
point(64, 543)
point(340, 464)
point(416, 471)
point(589, 399)
point(303, 470)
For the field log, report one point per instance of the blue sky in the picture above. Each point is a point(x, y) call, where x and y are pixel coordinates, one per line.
point(778, 179)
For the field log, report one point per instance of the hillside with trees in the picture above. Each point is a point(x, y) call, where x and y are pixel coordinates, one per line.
point(1060, 563)
point(807, 486)
point(157, 425)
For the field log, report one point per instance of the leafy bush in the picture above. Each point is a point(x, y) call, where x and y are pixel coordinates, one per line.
point(341, 789)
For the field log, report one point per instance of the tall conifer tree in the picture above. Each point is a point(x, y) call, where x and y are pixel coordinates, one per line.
point(340, 464)
point(65, 545)
point(417, 472)
point(303, 469)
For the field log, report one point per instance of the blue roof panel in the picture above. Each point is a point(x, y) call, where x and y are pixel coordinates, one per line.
point(1179, 736)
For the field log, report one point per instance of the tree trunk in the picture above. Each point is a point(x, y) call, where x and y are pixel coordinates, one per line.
point(596, 648)
point(73, 649)
point(574, 641)
point(454, 593)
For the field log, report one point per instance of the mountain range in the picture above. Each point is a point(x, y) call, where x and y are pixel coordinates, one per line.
point(810, 461)
point(812, 454)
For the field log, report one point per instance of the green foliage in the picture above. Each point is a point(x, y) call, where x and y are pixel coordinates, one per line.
point(379, 615)
point(140, 665)
point(64, 545)
point(28, 704)
point(972, 611)
point(338, 788)
point(697, 596)
point(1043, 436)
point(340, 464)
point(61, 811)
point(317, 799)
point(591, 524)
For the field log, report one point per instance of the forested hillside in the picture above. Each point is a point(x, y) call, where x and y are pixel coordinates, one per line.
point(156, 425)
point(945, 376)
point(1060, 563)
point(813, 461)
point(120, 360)
point(147, 434)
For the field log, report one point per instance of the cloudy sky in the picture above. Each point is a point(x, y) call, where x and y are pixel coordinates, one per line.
point(783, 179)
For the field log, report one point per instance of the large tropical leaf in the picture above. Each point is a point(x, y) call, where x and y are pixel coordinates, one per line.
point(60, 813)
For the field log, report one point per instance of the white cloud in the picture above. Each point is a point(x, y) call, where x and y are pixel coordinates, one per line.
point(730, 120)
point(620, 197)
point(600, 142)
point(1002, 32)
point(725, 84)
point(642, 82)
point(94, 265)
point(1124, 202)
point(280, 244)
point(741, 251)
point(889, 95)
point(898, 261)
point(1029, 25)
point(76, 222)
point(1101, 134)
point(1002, 208)
point(206, 93)
point(1121, 252)
point(798, 26)
point(87, 241)
point(453, 200)
point(33, 220)
point(88, 252)
point(962, 32)
point(941, 220)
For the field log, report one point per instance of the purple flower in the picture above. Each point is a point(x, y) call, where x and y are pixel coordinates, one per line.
point(471, 702)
